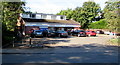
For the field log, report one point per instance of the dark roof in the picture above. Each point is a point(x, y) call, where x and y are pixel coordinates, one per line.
point(50, 21)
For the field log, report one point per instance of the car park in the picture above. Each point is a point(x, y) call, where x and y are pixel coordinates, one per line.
point(61, 33)
point(36, 33)
point(90, 33)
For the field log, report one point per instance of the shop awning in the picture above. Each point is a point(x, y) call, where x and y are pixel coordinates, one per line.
point(50, 23)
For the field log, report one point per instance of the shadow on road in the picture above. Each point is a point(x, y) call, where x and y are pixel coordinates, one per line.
point(89, 53)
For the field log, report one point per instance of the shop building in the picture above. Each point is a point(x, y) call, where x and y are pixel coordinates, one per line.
point(47, 21)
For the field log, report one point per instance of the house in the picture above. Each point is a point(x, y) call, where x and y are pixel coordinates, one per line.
point(46, 21)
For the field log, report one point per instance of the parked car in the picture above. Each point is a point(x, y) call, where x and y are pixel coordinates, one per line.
point(61, 33)
point(107, 32)
point(69, 32)
point(79, 33)
point(117, 34)
point(51, 33)
point(45, 33)
point(90, 33)
point(99, 32)
point(36, 33)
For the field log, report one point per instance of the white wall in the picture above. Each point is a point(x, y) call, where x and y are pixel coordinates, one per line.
point(44, 16)
point(38, 16)
point(48, 17)
point(25, 15)
point(58, 17)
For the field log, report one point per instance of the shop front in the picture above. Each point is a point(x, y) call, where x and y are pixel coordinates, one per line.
point(49, 25)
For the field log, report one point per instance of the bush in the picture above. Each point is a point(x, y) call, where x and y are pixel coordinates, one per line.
point(102, 24)
point(7, 37)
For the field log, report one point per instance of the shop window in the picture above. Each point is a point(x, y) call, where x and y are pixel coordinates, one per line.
point(33, 15)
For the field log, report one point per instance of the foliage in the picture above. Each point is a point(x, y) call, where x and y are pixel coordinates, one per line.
point(102, 24)
point(67, 12)
point(112, 15)
point(84, 15)
point(10, 13)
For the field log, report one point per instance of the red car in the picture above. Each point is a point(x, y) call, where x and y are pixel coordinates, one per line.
point(90, 33)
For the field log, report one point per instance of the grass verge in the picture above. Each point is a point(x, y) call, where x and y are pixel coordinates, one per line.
point(115, 41)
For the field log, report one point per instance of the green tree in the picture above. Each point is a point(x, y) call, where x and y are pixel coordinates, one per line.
point(112, 15)
point(10, 13)
point(67, 12)
point(86, 14)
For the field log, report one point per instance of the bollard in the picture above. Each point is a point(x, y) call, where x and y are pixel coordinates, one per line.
point(30, 40)
point(13, 42)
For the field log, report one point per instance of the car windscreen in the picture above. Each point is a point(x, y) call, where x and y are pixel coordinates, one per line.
point(62, 32)
point(38, 31)
point(51, 31)
point(81, 31)
point(93, 31)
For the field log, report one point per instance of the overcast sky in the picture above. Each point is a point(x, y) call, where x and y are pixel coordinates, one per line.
point(55, 6)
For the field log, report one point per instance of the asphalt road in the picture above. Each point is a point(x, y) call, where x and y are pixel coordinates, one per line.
point(66, 50)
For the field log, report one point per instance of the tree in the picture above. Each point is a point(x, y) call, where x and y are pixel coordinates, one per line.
point(84, 15)
point(67, 12)
point(10, 14)
point(112, 15)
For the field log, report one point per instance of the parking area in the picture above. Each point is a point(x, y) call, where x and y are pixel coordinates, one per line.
point(71, 41)
point(65, 50)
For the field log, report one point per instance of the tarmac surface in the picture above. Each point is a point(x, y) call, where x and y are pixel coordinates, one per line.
point(65, 50)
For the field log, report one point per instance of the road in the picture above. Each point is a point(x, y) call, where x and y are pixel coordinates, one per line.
point(66, 50)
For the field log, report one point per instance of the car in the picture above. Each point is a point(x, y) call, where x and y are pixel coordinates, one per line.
point(36, 33)
point(75, 32)
point(51, 33)
point(69, 32)
point(90, 33)
point(61, 33)
point(117, 34)
point(107, 32)
point(100, 32)
point(79, 33)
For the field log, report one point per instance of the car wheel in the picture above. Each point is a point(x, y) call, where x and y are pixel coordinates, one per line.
point(89, 35)
point(59, 35)
point(78, 35)
point(32, 36)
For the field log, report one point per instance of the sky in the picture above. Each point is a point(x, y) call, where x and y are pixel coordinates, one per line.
point(55, 6)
